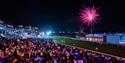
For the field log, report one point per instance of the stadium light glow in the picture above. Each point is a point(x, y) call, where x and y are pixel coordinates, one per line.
point(48, 33)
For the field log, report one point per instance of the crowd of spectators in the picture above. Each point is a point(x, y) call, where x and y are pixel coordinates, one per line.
point(46, 51)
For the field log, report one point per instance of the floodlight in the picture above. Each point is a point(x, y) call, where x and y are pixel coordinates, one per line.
point(48, 33)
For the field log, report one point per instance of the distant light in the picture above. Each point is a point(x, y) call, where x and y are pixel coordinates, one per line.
point(39, 36)
point(30, 29)
point(60, 32)
point(42, 33)
point(18, 40)
point(63, 32)
point(25, 33)
point(20, 26)
point(36, 27)
point(1, 27)
point(68, 32)
point(48, 33)
point(53, 32)
point(29, 26)
point(76, 32)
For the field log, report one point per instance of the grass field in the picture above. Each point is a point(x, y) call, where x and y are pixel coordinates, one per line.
point(105, 48)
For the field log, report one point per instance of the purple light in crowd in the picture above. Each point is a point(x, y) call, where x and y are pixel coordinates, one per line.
point(89, 15)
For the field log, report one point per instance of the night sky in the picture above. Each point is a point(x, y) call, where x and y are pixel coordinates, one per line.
point(62, 15)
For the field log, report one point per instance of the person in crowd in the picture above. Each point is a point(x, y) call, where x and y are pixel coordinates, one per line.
point(47, 51)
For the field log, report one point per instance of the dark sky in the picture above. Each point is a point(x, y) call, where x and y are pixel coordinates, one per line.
point(63, 14)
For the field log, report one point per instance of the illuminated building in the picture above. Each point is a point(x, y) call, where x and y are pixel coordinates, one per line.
point(95, 38)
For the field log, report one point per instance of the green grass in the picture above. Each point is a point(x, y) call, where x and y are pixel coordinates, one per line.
point(105, 48)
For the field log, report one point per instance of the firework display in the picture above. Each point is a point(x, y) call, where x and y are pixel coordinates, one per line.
point(89, 15)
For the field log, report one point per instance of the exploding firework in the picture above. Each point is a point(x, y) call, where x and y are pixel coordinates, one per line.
point(89, 15)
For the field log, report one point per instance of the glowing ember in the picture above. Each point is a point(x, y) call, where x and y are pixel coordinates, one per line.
point(89, 15)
